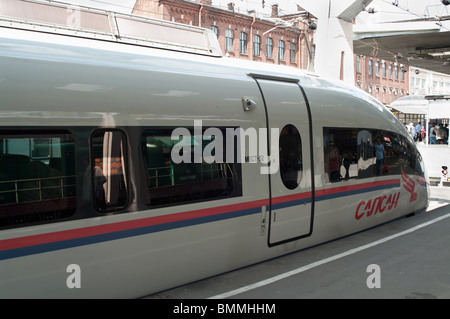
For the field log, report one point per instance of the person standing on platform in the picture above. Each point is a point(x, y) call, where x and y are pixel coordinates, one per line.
point(418, 133)
point(432, 133)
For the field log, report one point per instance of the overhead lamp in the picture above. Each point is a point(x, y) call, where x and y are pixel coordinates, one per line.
point(440, 54)
point(312, 25)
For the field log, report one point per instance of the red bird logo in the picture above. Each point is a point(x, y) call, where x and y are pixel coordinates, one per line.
point(409, 185)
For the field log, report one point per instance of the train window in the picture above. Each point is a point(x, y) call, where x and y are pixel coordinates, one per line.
point(341, 149)
point(37, 177)
point(377, 153)
point(109, 170)
point(290, 156)
point(413, 159)
point(189, 177)
point(388, 156)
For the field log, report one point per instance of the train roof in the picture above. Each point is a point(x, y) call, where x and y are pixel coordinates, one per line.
point(58, 23)
point(84, 22)
point(37, 40)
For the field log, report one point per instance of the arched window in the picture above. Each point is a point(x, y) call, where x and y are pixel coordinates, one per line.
point(290, 156)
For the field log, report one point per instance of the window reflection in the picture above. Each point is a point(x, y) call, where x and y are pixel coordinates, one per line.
point(340, 154)
point(352, 153)
point(170, 182)
point(37, 176)
point(108, 171)
point(365, 154)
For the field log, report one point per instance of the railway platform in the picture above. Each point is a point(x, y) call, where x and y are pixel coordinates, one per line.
point(435, 156)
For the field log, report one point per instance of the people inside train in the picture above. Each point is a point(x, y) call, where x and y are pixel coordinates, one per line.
point(380, 155)
point(99, 180)
point(334, 162)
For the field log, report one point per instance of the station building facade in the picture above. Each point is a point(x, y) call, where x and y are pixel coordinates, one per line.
point(243, 35)
point(426, 82)
point(386, 81)
point(267, 38)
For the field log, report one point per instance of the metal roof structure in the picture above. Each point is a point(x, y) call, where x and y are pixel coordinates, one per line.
point(434, 106)
point(423, 43)
point(411, 104)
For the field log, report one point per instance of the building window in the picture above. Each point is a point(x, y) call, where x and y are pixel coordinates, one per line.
point(228, 40)
point(396, 72)
point(292, 52)
point(377, 68)
point(383, 69)
point(390, 71)
point(280, 50)
point(256, 45)
point(370, 67)
point(109, 169)
point(269, 47)
point(243, 43)
point(215, 30)
point(358, 64)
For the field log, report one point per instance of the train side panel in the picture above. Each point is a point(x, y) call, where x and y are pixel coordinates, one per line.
point(94, 92)
point(361, 199)
point(143, 248)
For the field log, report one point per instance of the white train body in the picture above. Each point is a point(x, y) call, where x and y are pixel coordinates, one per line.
point(87, 90)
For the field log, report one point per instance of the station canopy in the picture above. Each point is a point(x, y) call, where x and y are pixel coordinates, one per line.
point(423, 43)
point(434, 106)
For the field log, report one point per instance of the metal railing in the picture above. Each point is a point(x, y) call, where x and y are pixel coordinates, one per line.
point(36, 189)
point(208, 172)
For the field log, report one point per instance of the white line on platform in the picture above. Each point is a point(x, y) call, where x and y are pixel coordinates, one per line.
point(324, 261)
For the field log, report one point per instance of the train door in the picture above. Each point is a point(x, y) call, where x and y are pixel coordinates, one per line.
point(291, 205)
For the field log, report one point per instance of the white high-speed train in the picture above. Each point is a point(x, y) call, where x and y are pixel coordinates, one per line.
point(93, 204)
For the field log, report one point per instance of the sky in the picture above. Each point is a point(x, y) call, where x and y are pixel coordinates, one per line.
point(385, 10)
point(123, 6)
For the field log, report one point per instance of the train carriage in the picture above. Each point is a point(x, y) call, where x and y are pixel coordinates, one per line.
point(135, 167)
